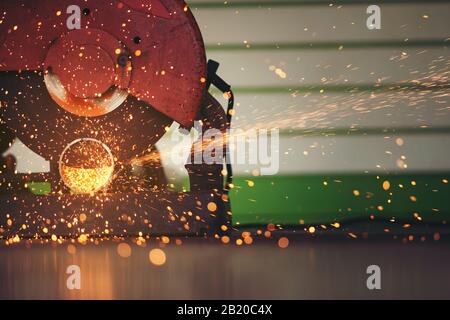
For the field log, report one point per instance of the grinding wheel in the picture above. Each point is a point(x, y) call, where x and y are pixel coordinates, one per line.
point(133, 68)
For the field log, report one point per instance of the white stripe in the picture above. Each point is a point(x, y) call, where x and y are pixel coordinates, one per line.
point(323, 23)
point(348, 66)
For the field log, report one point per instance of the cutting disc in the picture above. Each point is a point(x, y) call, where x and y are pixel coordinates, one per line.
point(133, 68)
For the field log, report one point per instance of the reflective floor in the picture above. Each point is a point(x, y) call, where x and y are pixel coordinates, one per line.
point(200, 269)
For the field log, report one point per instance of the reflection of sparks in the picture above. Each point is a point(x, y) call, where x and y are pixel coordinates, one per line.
point(81, 180)
point(283, 242)
point(157, 257)
point(124, 250)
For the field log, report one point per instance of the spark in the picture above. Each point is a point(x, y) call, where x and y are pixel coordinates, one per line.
point(157, 257)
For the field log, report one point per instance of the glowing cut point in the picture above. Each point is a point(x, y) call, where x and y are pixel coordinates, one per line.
point(86, 166)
